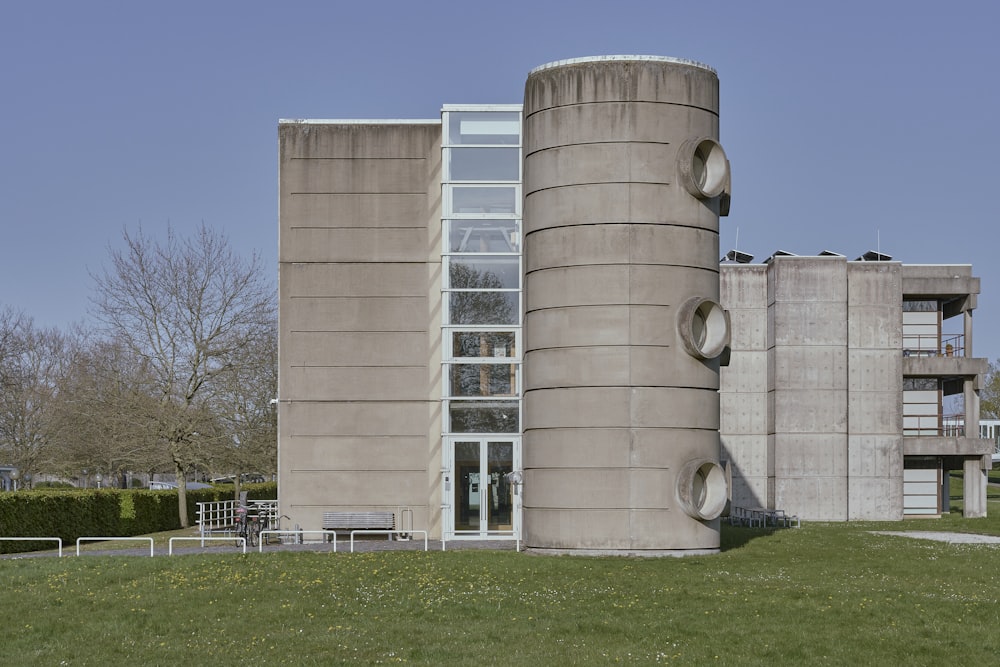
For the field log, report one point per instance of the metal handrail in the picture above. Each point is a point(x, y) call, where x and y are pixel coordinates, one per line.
point(35, 539)
point(114, 539)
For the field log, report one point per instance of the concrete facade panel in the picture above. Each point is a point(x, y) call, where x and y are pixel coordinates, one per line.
point(366, 488)
point(575, 529)
point(356, 313)
point(651, 366)
point(748, 453)
point(809, 323)
point(357, 175)
point(743, 286)
point(596, 123)
point(359, 418)
point(355, 140)
point(748, 327)
point(595, 285)
point(810, 367)
point(337, 210)
point(874, 412)
point(582, 407)
point(333, 452)
point(355, 348)
point(573, 164)
point(576, 367)
point(875, 327)
point(601, 203)
point(875, 456)
point(592, 488)
point(580, 326)
point(580, 245)
point(359, 279)
point(743, 413)
point(874, 284)
point(808, 279)
point(587, 448)
point(647, 281)
point(813, 497)
point(803, 455)
point(374, 383)
point(875, 498)
point(744, 372)
point(631, 81)
point(623, 244)
point(689, 408)
point(355, 245)
point(808, 411)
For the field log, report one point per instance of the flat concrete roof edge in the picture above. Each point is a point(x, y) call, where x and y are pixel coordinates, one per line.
point(595, 59)
point(359, 121)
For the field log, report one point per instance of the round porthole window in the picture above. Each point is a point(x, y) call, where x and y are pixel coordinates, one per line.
point(702, 490)
point(703, 167)
point(703, 327)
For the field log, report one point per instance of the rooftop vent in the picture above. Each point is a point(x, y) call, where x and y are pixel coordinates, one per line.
point(738, 257)
point(874, 256)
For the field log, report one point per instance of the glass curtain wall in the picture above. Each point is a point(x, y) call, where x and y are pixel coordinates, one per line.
point(481, 327)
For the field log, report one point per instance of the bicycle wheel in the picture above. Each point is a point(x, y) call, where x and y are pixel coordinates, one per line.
point(253, 534)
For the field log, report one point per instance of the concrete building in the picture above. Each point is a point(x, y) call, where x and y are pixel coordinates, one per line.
point(509, 323)
point(849, 386)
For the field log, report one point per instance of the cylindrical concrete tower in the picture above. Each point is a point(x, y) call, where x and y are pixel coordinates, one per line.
point(624, 182)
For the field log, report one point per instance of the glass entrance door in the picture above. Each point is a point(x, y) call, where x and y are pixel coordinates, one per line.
point(484, 502)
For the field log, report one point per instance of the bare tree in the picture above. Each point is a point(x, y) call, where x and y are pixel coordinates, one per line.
point(245, 407)
point(989, 395)
point(30, 364)
point(101, 420)
point(186, 307)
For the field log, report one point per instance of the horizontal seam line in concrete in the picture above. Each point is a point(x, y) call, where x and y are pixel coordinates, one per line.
point(599, 102)
point(356, 194)
point(597, 143)
point(624, 346)
point(366, 366)
point(356, 158)
point(571, 185)
point(365, 228)
point(622, 263)
point(348, 192)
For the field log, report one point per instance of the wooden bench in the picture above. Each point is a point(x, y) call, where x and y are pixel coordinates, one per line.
point(346, 522)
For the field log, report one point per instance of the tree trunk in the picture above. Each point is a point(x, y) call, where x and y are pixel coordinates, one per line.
point(182, 506)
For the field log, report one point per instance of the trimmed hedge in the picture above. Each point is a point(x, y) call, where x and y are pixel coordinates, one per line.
point(103, 512)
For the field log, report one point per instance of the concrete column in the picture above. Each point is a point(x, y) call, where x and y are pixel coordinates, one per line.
point(624, 181)
point(975, 479)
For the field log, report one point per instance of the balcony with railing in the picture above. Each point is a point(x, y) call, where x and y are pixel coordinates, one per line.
point(933, 345)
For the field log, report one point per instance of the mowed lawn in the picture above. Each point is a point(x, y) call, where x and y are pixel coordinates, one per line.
point(822, 594)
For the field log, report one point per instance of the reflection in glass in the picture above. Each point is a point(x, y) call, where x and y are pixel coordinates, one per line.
point(484, 272)
point(481, 199)
point(483, 236)
point(484, 417)
point(484, 164)
point(500, 499)
point(483, 344)
point(467, 486)
point(483, 379)
point(483, 307)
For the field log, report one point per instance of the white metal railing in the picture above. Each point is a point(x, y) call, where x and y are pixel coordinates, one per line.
point(387, 532)
point(296, 532)
point(35, 539)
point(170, 545)
point(114, 539)
point(220, 515)
point(933, 345)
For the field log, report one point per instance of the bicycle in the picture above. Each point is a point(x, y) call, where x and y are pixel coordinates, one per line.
point(247, 526)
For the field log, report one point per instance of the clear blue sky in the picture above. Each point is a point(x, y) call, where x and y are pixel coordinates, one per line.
point(849, 125)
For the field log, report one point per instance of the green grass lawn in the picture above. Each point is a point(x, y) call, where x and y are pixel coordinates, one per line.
point(825, 593)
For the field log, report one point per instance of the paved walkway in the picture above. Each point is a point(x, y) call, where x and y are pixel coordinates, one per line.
point(363, 545)
point(951, 538)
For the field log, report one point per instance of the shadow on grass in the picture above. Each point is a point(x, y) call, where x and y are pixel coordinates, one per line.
point(734, 537)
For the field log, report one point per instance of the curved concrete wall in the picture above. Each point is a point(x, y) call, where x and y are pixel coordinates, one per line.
point(620, 421)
